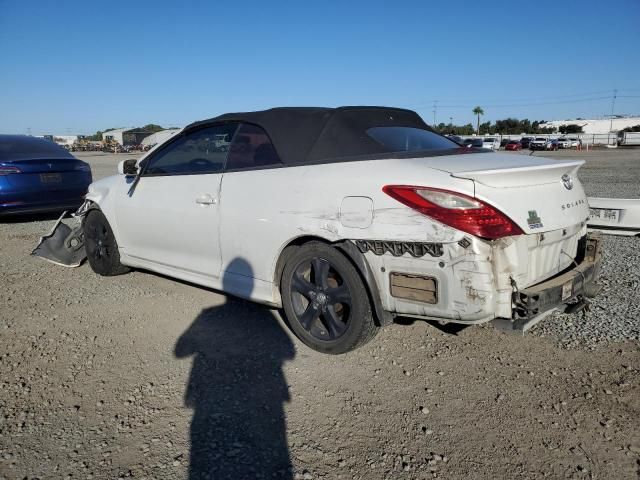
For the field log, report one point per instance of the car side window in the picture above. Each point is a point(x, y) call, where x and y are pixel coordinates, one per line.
point(200, 152)
point(251, 148)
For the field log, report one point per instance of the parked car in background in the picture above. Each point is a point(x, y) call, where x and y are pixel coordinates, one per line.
point(491, 142)
point(564, 142)
point(513, 145)
point(575, 142)
point(473, 142)
point(503, 142)
point(526, 142)
point(37, 175)
point(455, 138)
point(346, 218)
point(538, 143)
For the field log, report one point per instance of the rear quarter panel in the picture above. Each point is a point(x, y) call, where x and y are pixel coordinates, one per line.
point(262, 211)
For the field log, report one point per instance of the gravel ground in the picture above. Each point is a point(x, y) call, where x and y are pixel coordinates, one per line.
point(141, 376)
point(615, 313)
point(610, 173)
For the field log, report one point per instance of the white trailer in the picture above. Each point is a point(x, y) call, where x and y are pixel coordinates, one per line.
point(629, 138)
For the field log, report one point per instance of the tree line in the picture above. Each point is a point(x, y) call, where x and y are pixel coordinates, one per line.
point(508, 126)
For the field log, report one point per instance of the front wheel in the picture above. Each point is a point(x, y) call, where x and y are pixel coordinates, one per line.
point(101, 246)
point(325, 301)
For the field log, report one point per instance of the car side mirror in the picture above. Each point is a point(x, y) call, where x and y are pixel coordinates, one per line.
point(128, 167)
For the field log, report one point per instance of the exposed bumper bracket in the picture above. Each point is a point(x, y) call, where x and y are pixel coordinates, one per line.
point(566, 292)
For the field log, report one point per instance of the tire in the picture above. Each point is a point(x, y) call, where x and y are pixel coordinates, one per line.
point(325, 301)
point(101, 246)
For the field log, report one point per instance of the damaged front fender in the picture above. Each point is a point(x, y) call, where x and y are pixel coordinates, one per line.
point(64, 244)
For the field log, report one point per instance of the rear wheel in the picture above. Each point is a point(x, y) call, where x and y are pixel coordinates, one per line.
point(101, 246)
point(325, 300)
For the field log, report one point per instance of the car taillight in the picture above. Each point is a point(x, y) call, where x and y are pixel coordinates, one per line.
point(456, 210)
point(4, 170)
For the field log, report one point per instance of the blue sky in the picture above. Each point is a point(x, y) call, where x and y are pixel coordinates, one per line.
point(79, 66)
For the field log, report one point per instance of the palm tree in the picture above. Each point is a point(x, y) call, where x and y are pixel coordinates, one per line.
point(478, 111)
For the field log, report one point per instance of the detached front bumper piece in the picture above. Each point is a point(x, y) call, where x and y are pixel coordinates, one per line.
point(64, 244)
point(567, 292)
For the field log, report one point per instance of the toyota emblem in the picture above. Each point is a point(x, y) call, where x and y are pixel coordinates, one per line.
point(567, 181)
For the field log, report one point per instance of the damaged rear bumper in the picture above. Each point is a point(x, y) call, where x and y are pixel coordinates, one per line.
point(567, 292)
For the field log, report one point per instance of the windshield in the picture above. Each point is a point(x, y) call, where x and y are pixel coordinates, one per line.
point(490, 140)
point(409, 139)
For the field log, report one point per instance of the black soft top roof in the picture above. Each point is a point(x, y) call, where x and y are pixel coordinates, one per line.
point(313, 134)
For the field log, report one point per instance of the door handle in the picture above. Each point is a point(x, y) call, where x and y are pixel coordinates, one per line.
point(206, 200)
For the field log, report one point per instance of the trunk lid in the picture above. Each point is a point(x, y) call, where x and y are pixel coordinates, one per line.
point(534, 192)
point(43, 174)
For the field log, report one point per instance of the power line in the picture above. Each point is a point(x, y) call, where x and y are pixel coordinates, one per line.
point(524, 102)
point(501, 105)
point(565, 95)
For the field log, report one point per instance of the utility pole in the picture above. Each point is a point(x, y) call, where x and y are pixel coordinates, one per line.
point(435, 109)
point(613, 103)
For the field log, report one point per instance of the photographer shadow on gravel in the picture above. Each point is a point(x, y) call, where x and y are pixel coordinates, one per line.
point(237, 389)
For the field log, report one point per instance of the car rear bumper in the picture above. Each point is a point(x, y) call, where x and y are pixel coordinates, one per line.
point(476, 282)
point(615, 216)
point(566, 291)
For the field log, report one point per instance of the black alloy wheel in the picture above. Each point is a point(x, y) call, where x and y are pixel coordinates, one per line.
point(325, 301)
point(101, 246)
point(321, 299)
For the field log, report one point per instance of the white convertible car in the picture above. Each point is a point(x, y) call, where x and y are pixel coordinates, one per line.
point(345, 218)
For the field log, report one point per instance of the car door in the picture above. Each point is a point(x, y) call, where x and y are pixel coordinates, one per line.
point(254, 192)
point(171, 219)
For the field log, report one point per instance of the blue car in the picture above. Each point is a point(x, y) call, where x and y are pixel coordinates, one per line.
point(37, 175)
